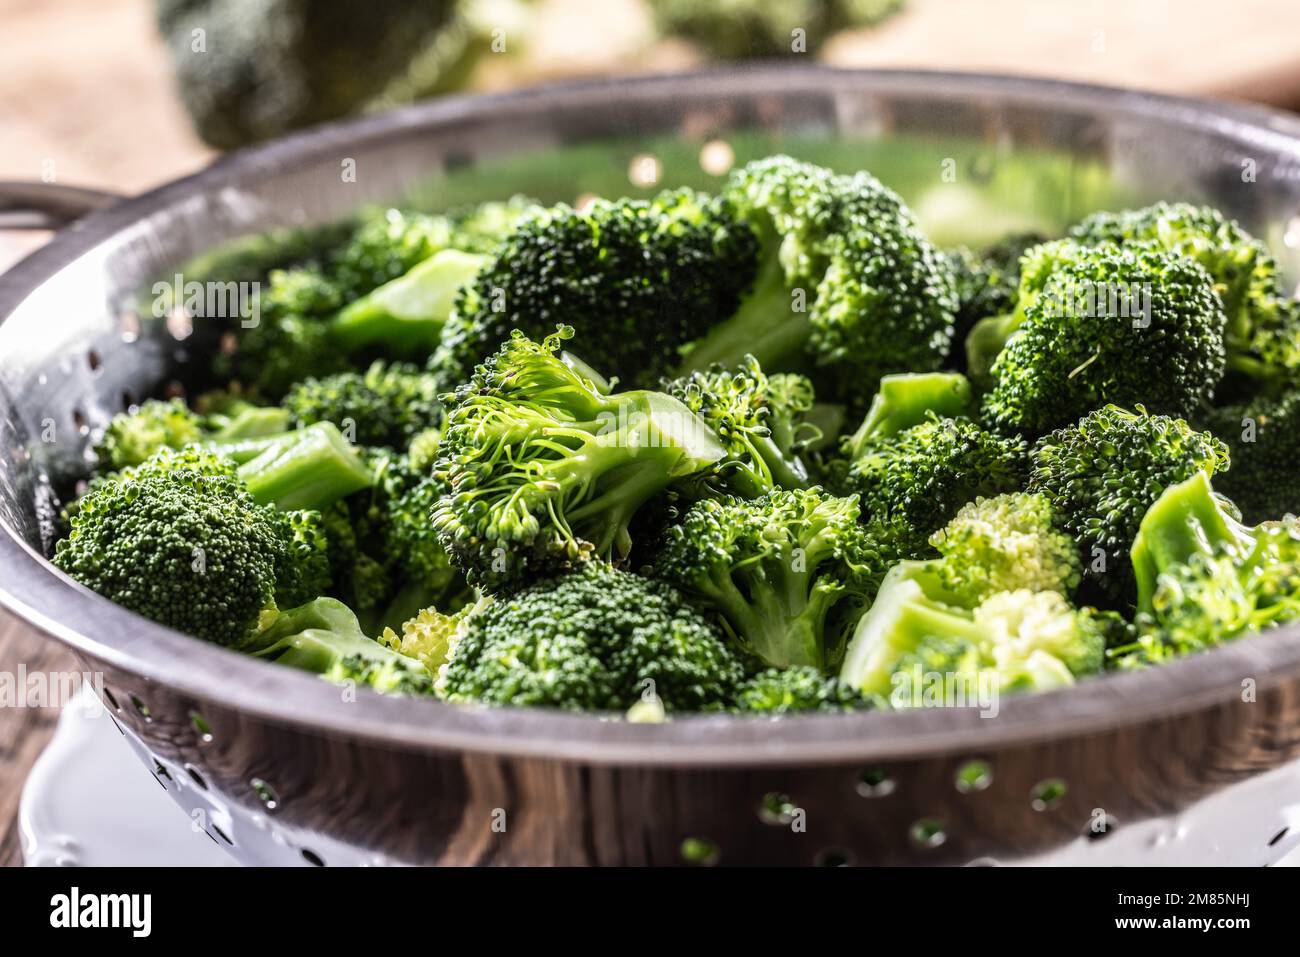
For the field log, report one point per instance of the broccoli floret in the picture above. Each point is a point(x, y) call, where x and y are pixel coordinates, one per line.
point(1120, 325)
point(787, 573)
point(637, 279)
point(179, 540)
point(389, 404)
point(1104, 472)
point(1005, 543)
point(918, 478)
point(482, 228)
point(324, 637)
point(1263, 438)
point(908, 399)
point(303, 571)
point(740, 29)
point(913, 641)
point(844, 279)
point(987, 283)
point(429, 635)
point(542, 470)
point(1204, 578)
point(596, 639)
point(132, 436)
point(1245, 274)
point(775, 691)
point(756, 417)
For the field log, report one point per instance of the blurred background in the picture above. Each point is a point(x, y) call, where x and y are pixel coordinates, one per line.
point(123, 95)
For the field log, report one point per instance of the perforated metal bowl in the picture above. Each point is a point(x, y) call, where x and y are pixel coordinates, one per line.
point(287, 771)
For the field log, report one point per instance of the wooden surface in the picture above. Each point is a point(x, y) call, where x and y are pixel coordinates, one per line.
point(86, 96)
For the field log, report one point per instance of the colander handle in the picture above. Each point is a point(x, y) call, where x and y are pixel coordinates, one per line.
point(34, 205)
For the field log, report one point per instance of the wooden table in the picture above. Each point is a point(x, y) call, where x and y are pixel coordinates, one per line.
point(86, 87)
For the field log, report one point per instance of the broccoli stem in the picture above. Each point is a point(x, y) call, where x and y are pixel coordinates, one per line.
point(408, 312)
point(985, 340)
point(253, 421)
point(907, 400)
point(304, 469)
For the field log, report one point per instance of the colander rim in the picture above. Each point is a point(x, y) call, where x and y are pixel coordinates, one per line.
point(36, 591)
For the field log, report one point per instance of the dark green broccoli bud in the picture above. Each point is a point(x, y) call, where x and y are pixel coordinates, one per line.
point(388, 404)
point(1103, 473)
point(132, 436)
point(787, 573)
point(1204, 578)
point(324, 638)
point(179, 541)
point(637, 279)
point(785, 691)
point(919, 477)
point(541, 470)
point(757, 419)
point(987, 284)
point(915, 642)
point(303, 572)
point(742, 29)
point(598, 639)
point(1263, 438)
point(1121, 325)
point(1245, 274)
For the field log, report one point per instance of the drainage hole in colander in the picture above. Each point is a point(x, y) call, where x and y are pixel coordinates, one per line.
point(1100, 826)
point(874, 783)
point(112, 702)
point(128, 401)
point(265, 793)
point(834, 857)
point(928, 833)
point(776, 809)
point(79, 420)
point(197, 778)
point(973, 776)
point(161, 773)
point(202, 727)
point(1278, 836)
point(174, 390)
point(699, 851)
point(222, 834)
point(93, 360)
point(141, 708)
point(1047, 794)
point(312, 858)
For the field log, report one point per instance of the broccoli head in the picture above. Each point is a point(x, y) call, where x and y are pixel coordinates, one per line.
point(775, 691)
point(1204, 578)
point(542, 470)
point(1103, 473)
point(1122, 325)
point(637, 280)
point(787, 573)
point(1263, 438)
point(388, 404)
point(597, 639)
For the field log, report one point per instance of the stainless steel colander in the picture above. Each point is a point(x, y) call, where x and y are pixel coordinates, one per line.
point(1186, 763)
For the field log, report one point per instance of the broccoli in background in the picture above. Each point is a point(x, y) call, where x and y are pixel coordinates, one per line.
point(1102, 474)
point(787, 573)
point(542, 470)
point(1111, 325)
point(597, 639)
point(1263, 438)
point(1204, 578)
point(777, 691)
point(987, 284)
point(386, 405)
point(636, 279)
point(741, 29)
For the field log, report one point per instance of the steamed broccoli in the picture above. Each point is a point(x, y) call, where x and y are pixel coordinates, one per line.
point(1120, 325)
point(324, 637)
point(542, 470)
point(387, 404)
point(787, 573)
point(1263, 438)
point(1103, 473)
point(1204, 578)
point(596, 639)
point(637, 280)
point(758, 420)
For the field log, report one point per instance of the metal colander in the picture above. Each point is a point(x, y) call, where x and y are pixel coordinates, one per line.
point(1185, 763)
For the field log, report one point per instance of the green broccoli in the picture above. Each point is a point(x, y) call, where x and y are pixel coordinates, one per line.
point(776, 691)
point(388, 404)
point(1102, 474)
point(787, 573)
point(1121, 325)
point(741, 29)
point(1204, 578)
point(598, 639)
point(907, 399)
point(757, 418)
point(1263, 438)
point(542, 470)
point(987, 283)
point(637, 280)
point(324, 638)
point(132, 436)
